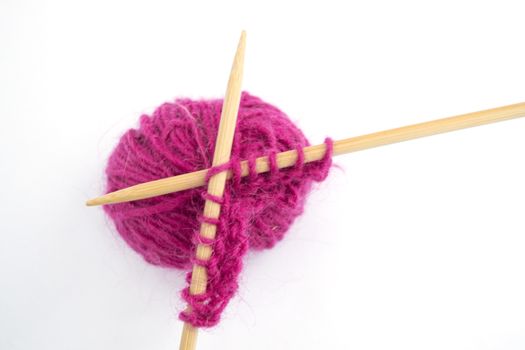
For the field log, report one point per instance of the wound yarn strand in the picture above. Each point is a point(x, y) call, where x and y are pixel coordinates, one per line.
point(256, 210)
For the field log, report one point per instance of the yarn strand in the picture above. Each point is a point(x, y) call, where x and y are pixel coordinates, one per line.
point(256, 210)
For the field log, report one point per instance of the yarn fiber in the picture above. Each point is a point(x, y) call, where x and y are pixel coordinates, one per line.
point(256, 210)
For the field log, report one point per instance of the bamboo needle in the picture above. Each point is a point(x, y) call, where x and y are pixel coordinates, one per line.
point(216, 183)
point(313, 153)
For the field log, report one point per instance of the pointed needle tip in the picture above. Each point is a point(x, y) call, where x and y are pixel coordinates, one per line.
point(94, 202)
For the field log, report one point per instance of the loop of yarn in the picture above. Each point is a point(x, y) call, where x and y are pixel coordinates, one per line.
point(256, 210)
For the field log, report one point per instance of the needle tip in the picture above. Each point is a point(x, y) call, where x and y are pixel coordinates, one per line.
point(242, 40)
point(96, 201)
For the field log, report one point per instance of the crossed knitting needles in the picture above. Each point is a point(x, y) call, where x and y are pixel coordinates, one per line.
point(313, 153)
point(285, 159)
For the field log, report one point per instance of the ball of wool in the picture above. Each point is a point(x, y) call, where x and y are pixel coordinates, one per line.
point(256, 211)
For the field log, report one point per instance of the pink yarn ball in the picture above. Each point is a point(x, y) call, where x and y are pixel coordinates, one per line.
point(179, 138)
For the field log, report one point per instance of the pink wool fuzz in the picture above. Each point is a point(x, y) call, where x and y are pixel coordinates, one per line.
point(256, 210)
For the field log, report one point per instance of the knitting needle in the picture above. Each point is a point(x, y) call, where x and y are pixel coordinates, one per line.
point(313, 153)
point(217, 182)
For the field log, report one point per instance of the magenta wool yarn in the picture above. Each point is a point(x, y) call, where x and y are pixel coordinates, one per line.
point(256, 211)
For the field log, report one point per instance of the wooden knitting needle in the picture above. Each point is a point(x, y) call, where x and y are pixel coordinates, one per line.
point(313, 153)
point(216, 184)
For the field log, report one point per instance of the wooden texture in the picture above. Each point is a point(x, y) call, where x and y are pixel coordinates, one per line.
point(217, 182)
point(313, 153)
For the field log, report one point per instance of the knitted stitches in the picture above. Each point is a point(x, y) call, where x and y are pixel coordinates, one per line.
point(256, 210)
point(231, 243)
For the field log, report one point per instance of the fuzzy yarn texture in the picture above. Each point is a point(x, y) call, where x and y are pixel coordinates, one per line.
point(256, 210)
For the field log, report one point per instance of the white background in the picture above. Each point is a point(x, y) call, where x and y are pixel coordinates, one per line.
point(417, 245)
